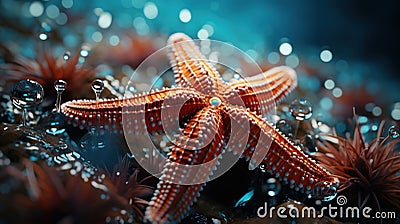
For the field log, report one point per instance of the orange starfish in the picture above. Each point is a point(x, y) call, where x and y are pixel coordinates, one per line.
point(213, 121)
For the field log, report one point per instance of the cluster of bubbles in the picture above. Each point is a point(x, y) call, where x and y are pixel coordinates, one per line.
point(48, 141)
point(27, 94)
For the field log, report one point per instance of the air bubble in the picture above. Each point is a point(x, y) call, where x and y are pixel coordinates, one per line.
point(394, 132)
point(26, 93)
point(272, 187)
point(98, 87)
point(301, 109)
point(67, 56)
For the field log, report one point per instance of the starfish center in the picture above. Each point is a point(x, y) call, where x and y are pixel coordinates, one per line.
point(215, 101)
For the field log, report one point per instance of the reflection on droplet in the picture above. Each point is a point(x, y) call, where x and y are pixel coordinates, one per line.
point(394, 132)
point(43, 36)
point(263, 168)
point(92, 141)
point(67, 56)
point(25, 94)
point(301, 109)
point(98, 87)
point(272, 187)
point(53, 123)
point(85, 51)
point(60, 86)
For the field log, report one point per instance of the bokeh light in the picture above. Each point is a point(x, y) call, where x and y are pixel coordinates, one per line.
point(285, 48)
point(185, 16)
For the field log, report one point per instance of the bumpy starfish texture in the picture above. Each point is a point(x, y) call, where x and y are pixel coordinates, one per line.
point(207, 104)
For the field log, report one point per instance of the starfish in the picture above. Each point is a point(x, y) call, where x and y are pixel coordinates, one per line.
point(232, 112)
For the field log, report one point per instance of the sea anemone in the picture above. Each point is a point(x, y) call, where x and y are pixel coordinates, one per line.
point(368, 172)
point(124, 182)
point(46, 69)
point(56, 197)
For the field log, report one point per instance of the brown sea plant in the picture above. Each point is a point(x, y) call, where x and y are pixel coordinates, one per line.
point(46, 68)
point(52, 196)
point(369, 173)
point(130, 189)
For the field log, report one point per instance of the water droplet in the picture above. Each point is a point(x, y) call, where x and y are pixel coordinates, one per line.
point(43, 36)
point(98, 87)
point(332, 194)
point(25, 94)
point(67, 56)
point(92, 141)
point(272, 187)
point(85, 51)
point(53, 123)
point(60, 85)
point(394, 132)
point(263, 168)
point(301, 109)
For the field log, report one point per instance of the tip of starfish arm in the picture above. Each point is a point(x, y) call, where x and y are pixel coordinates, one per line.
point(178, 37)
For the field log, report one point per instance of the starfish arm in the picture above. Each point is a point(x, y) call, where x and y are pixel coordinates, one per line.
point(171, 200)
point(140, 114)
point(261, 92)
point(191, 67)
point(280, 156)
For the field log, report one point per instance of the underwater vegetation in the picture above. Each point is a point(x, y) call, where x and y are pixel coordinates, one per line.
point(368, 171)
point(76, 78)
point(46, 69)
